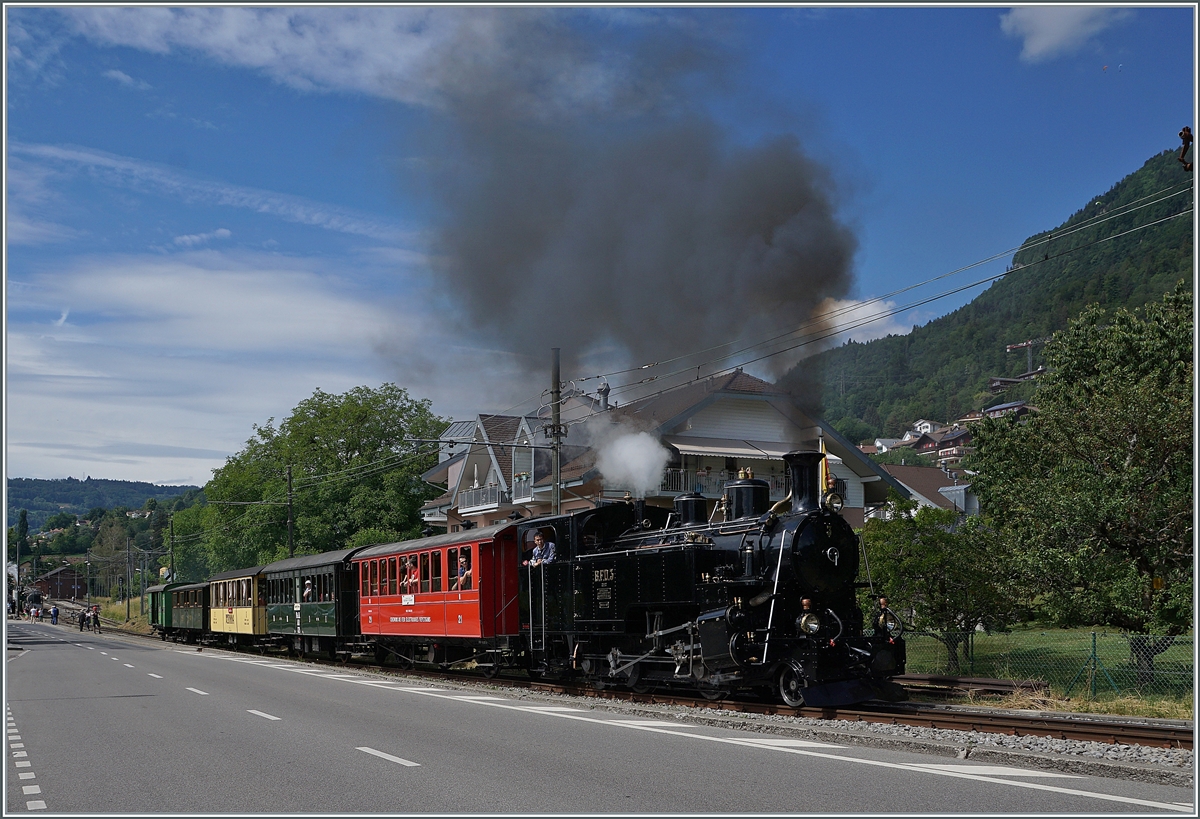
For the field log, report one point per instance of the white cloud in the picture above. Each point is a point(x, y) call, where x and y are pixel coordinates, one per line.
point(124, 172)
point(154, 368)
point(377, 51)
point(864, 320)
point(194, 239)
point(1051, 31)
point(125, 79)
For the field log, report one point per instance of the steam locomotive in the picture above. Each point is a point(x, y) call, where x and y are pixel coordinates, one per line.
point(754, 598)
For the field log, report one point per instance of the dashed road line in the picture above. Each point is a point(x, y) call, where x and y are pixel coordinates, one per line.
point(405, 762)
point(261, 714)
point(155, 676)
point(127, 665)
point(198, 691)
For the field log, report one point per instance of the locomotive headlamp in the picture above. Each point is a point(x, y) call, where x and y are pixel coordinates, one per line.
point(834, 501)
point(891, 623)
point(809, 624)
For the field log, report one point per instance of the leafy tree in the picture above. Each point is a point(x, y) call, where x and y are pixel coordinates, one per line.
point(947, 574)
point(1094, 493)
point(23, 532)
point(355, 469)
point(63, 520)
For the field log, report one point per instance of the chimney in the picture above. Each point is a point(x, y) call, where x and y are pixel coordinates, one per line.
point(805, 469)
point(603, 393)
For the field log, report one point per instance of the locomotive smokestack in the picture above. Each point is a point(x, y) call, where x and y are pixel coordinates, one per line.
point(805, 470)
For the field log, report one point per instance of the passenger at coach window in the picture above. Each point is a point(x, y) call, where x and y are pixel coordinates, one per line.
point(543, 552)
point(462, 576)
point(308, 591)
point(413, 578)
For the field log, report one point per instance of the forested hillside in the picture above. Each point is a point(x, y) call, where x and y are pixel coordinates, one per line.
point(44, 498)
point(940, 370)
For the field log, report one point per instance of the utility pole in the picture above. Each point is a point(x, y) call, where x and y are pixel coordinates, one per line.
point(128, 574)
point(291, 545)
point(172, 548)
point(556, 435)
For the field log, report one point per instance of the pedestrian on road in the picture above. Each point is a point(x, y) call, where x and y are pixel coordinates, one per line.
point(96, 618)
point(82, 619)
point(54, 615)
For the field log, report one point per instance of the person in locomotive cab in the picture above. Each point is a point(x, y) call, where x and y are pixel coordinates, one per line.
point(543, 552)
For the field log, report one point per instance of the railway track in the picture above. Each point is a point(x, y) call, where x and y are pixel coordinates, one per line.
point(1058, 725)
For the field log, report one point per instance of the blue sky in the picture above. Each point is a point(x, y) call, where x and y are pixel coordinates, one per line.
point(213, 211)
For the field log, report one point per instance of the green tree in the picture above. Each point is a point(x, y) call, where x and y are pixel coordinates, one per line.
point(355, 467)
point(1094, 492)
point(944, 572)
point(904, 456)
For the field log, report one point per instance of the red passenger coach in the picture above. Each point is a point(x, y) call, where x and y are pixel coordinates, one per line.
point(445, 599)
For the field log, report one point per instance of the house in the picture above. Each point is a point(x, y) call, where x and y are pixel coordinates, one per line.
point(936, 487)
point(64, 583)
point(1017, 408)
point(714, 430)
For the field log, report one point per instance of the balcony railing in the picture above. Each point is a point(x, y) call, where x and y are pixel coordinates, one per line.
point(522, 489)
point(678, 481)
point(485, 497)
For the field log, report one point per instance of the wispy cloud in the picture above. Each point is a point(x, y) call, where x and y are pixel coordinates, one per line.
point(126, 80)
point(119, 171)
point(1052, 31)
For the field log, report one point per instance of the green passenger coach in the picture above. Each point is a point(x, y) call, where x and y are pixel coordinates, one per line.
point(312, 601)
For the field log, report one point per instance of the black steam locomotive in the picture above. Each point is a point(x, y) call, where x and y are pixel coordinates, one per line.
point(758, 597)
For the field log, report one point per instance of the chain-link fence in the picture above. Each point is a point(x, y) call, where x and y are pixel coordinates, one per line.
point(1070, 663)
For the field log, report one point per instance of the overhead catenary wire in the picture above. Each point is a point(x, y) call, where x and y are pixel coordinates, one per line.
point(1149, 200)
point(869, 319)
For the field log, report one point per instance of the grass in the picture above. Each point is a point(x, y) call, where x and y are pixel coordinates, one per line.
point(1062, 658)
point(1159, 707)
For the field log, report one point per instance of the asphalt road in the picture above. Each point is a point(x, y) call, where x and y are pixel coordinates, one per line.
point(111, 724)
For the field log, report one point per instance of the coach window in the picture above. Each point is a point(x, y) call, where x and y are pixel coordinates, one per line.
point(451, 575)
point(424, 571)
point(437, 571)
point(466, 574)
point(391, 573)
point(375, 578)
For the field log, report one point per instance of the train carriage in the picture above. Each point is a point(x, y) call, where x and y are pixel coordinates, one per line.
point(312, 601)
point(238, 606)
point(161, 612)
point(189, 612)
point(442, 599)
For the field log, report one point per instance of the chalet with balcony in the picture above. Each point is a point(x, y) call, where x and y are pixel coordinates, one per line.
point(714, 429)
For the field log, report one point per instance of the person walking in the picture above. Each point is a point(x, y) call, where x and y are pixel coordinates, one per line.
point(96, 618)
point(82, 619)
point(54, 615)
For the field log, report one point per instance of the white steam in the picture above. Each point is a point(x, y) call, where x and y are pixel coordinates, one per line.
point(632, 461)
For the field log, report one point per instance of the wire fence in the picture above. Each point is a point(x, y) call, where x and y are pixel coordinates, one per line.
point(1068, 663)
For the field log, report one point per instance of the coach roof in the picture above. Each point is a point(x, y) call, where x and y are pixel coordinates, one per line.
point(435, 542)
point(308, 561)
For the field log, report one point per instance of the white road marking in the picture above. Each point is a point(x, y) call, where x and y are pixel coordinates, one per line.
point(995, 770)
point(24, 764)
point(793, 743)
point(127, 665)
point(92, 648)
point(474, 698)
point(340, 676)
point(35, 804)
point(549, 709)
point(15, 736)
point(198, 691)
point(104, 652)
point(261, 714)
point(30, 790)
point(29, 775)
point(16, 744)
point(406, 763)
point(155, 676)
point(19, 754)
point(640, 723)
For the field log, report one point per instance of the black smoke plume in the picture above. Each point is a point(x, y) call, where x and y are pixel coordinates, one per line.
point(587, 201)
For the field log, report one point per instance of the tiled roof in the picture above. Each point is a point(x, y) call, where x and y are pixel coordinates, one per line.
point(924, 480)
point(501, 429)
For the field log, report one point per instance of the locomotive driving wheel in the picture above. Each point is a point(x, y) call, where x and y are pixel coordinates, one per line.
point(791, 685)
